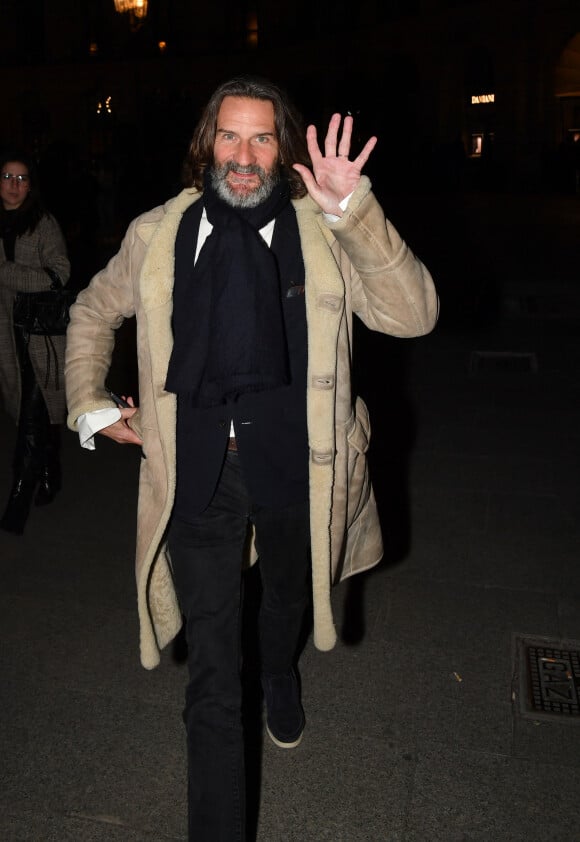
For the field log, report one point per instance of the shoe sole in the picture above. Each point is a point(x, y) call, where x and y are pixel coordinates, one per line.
point(280, 744)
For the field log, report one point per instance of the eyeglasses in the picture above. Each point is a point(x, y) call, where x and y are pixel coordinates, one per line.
point(21, 179)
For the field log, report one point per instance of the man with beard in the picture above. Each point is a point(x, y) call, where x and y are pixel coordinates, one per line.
point(244, 287)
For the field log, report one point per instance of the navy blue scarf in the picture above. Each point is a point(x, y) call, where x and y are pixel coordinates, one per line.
point(229, 336)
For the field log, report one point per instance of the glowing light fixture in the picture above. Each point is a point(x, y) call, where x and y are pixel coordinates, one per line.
point(252, 29)
point(137, 8)
point(104, 107)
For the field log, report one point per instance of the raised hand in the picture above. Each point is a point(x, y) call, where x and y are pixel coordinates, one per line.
point(333, 176)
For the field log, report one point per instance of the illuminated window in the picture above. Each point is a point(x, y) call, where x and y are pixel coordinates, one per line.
point(482, 99)
point(476, 145)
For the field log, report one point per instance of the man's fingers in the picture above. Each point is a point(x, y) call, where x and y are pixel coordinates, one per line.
point(312, 144)
point(364, 155)
point(307, 177)
point(344, 145)
point(120, 430)
point(128, 411)
point(332, 136)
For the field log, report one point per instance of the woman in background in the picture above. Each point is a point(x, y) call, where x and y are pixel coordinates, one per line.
point(32, 258)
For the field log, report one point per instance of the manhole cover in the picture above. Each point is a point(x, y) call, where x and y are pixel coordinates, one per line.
point(549, 677)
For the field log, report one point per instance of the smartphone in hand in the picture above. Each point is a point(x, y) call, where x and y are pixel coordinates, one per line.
point(118, 399)
point(123, 403)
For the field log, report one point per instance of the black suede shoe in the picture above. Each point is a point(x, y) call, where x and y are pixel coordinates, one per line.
point(285, 719)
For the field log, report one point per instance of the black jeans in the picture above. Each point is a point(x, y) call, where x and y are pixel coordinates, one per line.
point(206, 556)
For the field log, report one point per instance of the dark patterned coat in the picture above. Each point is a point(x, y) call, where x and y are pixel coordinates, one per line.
point(44, 247)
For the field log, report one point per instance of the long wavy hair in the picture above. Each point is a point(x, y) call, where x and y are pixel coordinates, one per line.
point(25, 219)
point(287, 120)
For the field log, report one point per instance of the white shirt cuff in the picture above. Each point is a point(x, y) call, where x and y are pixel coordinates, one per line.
point(331, 217)
point(91, 422)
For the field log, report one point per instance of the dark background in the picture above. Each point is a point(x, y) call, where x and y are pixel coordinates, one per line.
point(107, 102)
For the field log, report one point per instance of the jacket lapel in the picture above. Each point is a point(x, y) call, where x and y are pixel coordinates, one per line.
point(156, 281)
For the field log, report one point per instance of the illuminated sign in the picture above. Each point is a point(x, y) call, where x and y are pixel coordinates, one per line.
point(482, 98)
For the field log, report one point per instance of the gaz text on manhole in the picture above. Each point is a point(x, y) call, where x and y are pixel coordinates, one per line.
point(547, 672)
point(554, 680)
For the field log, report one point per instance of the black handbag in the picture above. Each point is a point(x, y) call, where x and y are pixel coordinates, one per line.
point(44, 313)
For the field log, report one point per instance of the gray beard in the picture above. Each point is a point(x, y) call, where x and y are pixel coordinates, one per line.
point(269, 180)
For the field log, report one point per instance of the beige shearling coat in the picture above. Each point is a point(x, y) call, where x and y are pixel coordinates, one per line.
point(358, 264)
point(45, 246)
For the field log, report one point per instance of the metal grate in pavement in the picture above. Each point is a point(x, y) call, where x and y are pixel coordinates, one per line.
point(549, 678)
point(503, 361)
